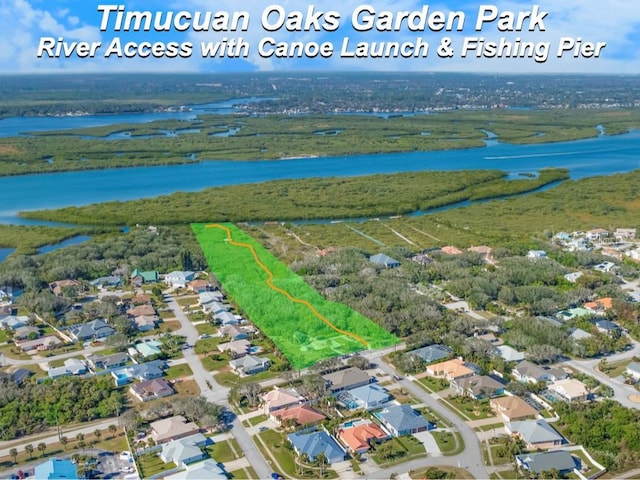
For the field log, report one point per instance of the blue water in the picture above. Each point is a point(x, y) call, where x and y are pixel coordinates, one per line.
point(78, 239)
point(5, 252)
point(584, 158)
point(15, 126)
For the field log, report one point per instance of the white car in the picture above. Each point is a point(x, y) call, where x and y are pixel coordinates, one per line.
point(125, 455)
point(127, 470)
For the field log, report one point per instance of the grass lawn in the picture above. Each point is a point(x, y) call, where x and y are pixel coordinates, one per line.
point(434, 384)
point(473, 409)
point(214, 362)
point(397, 450)
point(253, 421)
point(14, 353)
point(228, 378)
point(435, 417)
point(169, 326)
point(151, 464)
point(497, 459)
point(178, 371)
point(446, 441)
point(305, 330)
point(400, 395)
point(459, 473)
point(506, 475)
point(244, 474)
point(206, 328)
point(189, 387)
point(615, 369)
point(207, 345)
point(60, 362)
point(165, 314)
point(585, 463)
point(221, 452)
point(494, 426)
point(3, 336)
point(187, 302)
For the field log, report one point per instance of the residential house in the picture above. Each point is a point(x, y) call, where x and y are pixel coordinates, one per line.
point(604, 267)
point(172, 428)
point(599, 306)
point(597, 235)
point(108, 281)
point(145, 323)
point(226, 318)
point(209, 299)
point(346, 379)
point(573, 276)
point(178, 279)
point(384, 260)
point(9, 293)
point(107, 362)
point(236, 348)
point(55, 469)
point(573, 313)
point(579, 244)
point(236, 333)
point(422, 259)
point(451, 369)
point(478, 387)
point(633, 370)
point(142, 371)
point(184, 451)
point(200, 286)
point(302, 415)
point(24, 333)
point(484, 251)
point(562, 237)
point(91, 331)
point(151, 389)
point(59, 287)
point(313, 443)
point(149, 348)
point(489, 337)
point(614, 252)
point(570, 390)
point(431, 353)
point(579, 334)
point(366, 397)
point(536, 254)
point(139, 310)
point(610, 328)
point(451, 250)
point(209, 469)
point(509, 354)
point(624, 234)
point(559, 460)
point(634, 254)
point(536, 434)
point(41, 344)
point(250, 365)
point(512, 408)
point(139, 277)
point(358, 435)
point(72, 366)
point(280, 398)
point(403, 420)
point(20, 375)
point(528, 372)
point(12, 322)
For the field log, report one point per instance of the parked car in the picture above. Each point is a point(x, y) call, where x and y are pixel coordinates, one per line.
point(127, 470)
point(125, 455)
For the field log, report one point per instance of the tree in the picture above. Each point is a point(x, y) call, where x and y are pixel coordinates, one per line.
point(80, 437)
point(112, 430)
point(97, 433)
point(64, 441)
point(42, 447)
point(359, 361)
point(29, 449)
point(321, 459)
point(13, 453)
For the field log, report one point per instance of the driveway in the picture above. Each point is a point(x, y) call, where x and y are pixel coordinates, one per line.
point(429, 443)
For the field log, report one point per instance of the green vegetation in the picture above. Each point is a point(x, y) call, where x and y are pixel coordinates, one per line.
point(614, 443)
point(27, 239)
point(222, 452)
point(297, 332)
point(441, 472)
point(151, 464)
point(32, 407)
point(313, 198)
point(446, 442)
point(178, 371)
point(397, 450)
point(253, 421)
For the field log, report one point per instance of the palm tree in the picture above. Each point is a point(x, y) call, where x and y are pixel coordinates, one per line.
point(42, 447)
point(14, 454)
point(80, 437)
point(112, 430)
point(97, 434)
point(64, 441)
point(29, 449)
point(321, 458)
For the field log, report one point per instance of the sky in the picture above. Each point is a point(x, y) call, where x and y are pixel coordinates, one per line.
point(24, 24)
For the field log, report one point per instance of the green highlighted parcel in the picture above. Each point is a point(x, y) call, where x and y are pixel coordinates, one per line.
point(298, 332)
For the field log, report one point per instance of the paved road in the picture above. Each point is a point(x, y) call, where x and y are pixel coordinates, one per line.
point(217, 393)
point(470, 458)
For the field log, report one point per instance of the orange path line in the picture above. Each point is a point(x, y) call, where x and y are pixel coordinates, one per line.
point(284, 292)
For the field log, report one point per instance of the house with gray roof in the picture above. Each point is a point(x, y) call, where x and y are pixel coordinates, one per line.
point(346, 379)
point(384, 260)
point(559, 460)
point(528, 372)
point(478, 387)
point(185, 450)
point(72, 366)
point(90, 331)
point(367, 397)
point(403, 420)
point(249, 365)
point(24, 333)
point(314, 442)
point(178, 279)
point(509, 354)
point(633, 370)
point(142, 371)
point(108, 281)
point(20, 375)
point(432, 353)
point(106, 362)
point(536, 434)
point(13, 322)
point(579, 334)
point(209, 469)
